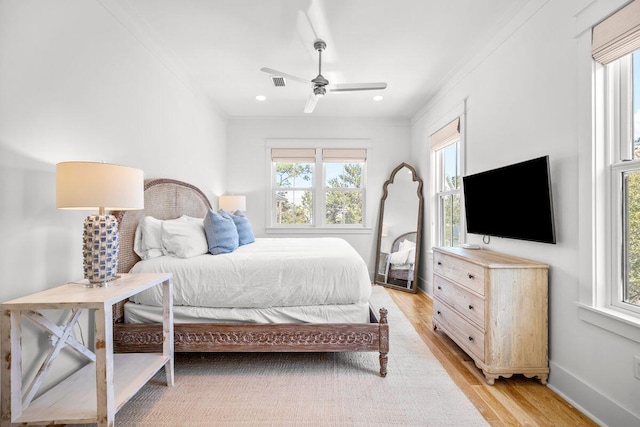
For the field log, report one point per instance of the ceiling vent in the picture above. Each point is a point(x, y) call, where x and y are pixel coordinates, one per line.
point(278, 81)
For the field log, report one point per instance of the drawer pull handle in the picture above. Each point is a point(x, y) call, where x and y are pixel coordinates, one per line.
point(470, 338)
point(470, 276)
point(440, 287)
point(438, 312)
point(439, 263)
point(470, 307)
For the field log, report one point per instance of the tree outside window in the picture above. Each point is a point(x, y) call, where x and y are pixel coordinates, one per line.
point(631, 192)
point(293, 193)
point(343, 193)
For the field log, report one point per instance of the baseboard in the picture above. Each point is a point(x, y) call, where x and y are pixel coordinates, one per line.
point(425, 286)
point(603, 410)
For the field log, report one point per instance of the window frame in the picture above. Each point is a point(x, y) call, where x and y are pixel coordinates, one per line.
point(597, 244)
point(437, 155)
point(617, 287)
point(325, 189)
point(618, 127)
point(275, 189)
point(318, 188)
point(441, 195)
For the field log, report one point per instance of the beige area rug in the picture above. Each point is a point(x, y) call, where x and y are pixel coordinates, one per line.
point(307, 389)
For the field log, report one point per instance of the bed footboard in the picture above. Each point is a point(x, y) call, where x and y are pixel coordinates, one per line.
point(306, 337)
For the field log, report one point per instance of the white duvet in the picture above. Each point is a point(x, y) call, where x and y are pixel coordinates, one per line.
point(271, 272)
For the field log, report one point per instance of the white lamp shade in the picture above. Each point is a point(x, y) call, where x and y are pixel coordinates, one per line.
point(385, 230)
point(232, 203)
point(92, 185)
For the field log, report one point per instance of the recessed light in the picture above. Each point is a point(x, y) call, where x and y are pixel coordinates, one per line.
point(378, 98)
point(261, 98)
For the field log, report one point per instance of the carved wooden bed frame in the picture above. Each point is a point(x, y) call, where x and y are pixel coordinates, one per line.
point(169, 199)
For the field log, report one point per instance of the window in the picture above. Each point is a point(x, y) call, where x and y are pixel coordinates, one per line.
point(617, 105)
point(445, 144)
point(622, 108)
point(343, 189)
point(292, 184)
point(318, 187)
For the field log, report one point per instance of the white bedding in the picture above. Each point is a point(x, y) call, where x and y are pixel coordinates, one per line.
point(271, 272)
point(341, 313)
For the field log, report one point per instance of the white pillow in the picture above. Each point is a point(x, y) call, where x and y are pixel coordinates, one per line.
point(405, 245)
point(399, 257)
point(148, 241)
point(184, 237)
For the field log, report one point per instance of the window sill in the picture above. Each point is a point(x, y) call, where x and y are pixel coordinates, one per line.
point(611, 320)
point(319, 230)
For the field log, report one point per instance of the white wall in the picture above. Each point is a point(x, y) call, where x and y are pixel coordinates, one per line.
point(522, 101)
point(76, 85)
point(248, 174)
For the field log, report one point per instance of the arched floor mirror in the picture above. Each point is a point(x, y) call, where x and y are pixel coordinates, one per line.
point(400, 230)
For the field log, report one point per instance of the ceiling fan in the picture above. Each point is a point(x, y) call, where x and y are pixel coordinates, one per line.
point(319, 84)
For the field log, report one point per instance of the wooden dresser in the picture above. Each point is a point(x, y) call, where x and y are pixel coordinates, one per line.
point(494, 306)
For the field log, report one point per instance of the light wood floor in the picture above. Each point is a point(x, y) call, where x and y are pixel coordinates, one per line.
point(517, 401)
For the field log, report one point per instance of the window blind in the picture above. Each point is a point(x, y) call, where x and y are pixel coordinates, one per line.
point(293, 155)
point(618, 35)
point(448, 134)
point(344, 155)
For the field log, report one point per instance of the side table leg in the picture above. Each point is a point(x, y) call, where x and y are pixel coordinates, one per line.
point(10, 338)
point(167, 329)
point(104, 367)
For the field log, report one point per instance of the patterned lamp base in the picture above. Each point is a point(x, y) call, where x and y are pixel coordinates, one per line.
point(100, 249)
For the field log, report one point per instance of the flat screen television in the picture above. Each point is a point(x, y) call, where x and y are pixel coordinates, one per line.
point(513, 201)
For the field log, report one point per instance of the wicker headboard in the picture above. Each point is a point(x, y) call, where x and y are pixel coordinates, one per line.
point(411, 236)
point(163, 199)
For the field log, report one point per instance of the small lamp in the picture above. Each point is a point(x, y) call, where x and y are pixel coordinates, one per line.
point(232, 203)
point(101, 186)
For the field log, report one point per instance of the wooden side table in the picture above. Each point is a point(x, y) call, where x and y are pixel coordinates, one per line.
point(98, 390)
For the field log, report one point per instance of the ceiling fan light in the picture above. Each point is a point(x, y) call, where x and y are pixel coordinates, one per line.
point(319, 91)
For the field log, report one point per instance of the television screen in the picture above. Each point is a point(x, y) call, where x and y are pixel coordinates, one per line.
point(512, 201)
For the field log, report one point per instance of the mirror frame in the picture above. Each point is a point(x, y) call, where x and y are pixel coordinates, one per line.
point(415, 178)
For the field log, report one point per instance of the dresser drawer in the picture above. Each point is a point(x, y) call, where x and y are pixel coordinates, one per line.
point(465, 273)
point(468, 336)
point(469, 305)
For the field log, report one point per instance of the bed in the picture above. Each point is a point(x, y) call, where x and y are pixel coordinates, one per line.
point(303, 324)
point(401, 260)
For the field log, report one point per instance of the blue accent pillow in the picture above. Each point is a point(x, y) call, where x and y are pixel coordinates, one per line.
point(221, 232)
point(245, 231)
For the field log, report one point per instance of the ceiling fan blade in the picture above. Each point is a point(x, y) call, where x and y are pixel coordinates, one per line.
point(349, 87)
point(285, 75)
point(311, 103)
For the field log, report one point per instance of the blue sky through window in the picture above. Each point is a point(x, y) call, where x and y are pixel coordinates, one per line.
point(332, 170)
point(451, 166)
point(296, 181)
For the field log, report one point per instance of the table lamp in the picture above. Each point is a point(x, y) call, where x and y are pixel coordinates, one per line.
point(99, 186)
point(232, 203)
